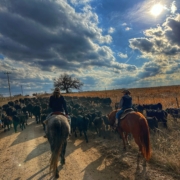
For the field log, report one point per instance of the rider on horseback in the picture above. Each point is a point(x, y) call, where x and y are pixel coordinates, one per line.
point(57, 103)
point(125, 103)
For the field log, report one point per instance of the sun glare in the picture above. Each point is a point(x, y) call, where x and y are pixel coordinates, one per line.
point(156, 9)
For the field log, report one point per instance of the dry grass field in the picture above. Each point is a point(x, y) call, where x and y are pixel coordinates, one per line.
point(165, 95)
point(166, 143)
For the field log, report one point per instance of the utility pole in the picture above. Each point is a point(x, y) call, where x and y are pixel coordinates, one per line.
point(22, 90)
point(8, 83)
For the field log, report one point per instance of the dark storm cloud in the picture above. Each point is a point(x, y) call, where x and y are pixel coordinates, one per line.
point(45, 12)
point(171, 51)
point(143, 44)
point(150, 69)
point(157, 32)
point(131, 68)
point(173, 34)
point(50, 33)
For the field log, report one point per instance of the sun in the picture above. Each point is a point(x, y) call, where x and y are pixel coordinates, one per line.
point(156, 9)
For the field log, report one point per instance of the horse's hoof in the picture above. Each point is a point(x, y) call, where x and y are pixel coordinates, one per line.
point(57, 175)
point(62, 162)
point(129, 146)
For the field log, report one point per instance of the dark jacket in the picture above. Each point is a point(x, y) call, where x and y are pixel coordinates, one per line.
point(58, 104)
point(126, 102)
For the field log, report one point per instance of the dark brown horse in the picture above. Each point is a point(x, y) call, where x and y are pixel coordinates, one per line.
point(136, 124)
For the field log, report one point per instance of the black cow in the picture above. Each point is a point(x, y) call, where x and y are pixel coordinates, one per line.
point(29, 108)
point(19, 119)
point(81, 123)
point(36, 110)
point(99, 126)
point(43, 118)
point(157, 106)
point(153, 123)
point(174, 112)
point(161, 115)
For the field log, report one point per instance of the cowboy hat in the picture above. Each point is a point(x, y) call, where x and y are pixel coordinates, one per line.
point(57, 90)
point(126, 91)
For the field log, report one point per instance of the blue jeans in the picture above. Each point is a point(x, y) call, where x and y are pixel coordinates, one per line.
point(119, 113)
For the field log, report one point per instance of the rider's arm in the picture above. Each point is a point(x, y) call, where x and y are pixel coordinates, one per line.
point(50, 102)
point(121, 103)
point(64, 106)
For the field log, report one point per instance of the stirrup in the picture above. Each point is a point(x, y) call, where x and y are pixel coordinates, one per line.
point(115, 126)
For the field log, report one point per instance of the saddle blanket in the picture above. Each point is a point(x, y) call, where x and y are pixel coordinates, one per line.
point(126, 112)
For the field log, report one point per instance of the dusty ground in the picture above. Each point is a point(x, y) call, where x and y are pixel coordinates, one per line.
point(25, 156)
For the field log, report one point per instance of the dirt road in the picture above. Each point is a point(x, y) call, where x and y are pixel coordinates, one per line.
point(25, 156)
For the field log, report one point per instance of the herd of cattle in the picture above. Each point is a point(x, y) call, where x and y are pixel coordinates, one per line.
point(87, 113)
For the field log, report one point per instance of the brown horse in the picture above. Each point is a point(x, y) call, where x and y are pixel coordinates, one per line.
point(136, 124)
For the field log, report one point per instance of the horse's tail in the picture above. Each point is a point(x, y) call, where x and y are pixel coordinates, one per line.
point(56, 141)
point(145, 139)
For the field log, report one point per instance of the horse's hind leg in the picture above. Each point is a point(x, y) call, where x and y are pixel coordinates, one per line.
point(123, 138)
point(9, 125)
point(138, 142)
point(57, 173)
point(63, 153)
point(126, 139)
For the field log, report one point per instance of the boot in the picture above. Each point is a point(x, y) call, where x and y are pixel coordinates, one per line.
point(115, 124)
point(45, 136)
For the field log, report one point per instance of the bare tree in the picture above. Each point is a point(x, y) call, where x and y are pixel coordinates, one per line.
point(67, 82)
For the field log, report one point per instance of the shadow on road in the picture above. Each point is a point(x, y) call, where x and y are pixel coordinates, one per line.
point(34, 175)
point(32, 131)
point(98, 169)
point(40, 149)
point(7, 133)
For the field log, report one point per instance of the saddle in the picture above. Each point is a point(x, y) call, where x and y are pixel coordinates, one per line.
point(126, 112)
point(58, 113)
point(53, 113)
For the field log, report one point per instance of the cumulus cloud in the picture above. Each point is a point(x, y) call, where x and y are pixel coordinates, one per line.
point(31, 78)
point(161, 41)
point(78, 2)
point(50, 33)
point(121, 55)
point(124, 24)
point(128, 28)
point(173, 7)
point(111, 30)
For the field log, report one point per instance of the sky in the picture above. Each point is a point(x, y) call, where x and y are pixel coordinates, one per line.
point(107, 44)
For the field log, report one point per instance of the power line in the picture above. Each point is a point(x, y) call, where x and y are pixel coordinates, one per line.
point(22, 90)
point(7, 73)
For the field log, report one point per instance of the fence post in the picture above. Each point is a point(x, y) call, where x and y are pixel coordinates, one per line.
point(177, 102)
